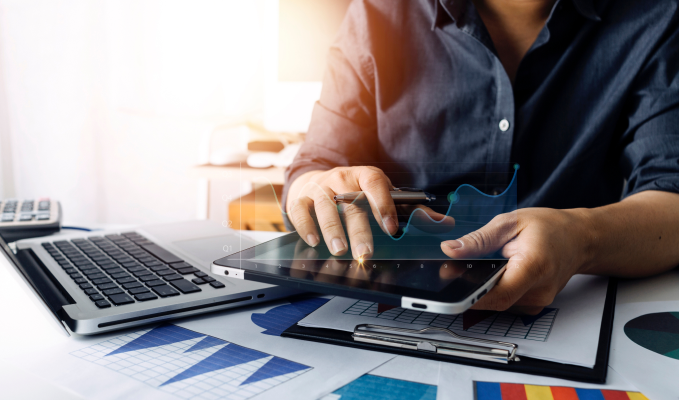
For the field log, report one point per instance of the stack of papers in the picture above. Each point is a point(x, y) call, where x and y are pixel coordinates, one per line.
point(565, 332)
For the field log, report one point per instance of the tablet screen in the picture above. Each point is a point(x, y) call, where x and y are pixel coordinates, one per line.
point(433, 278)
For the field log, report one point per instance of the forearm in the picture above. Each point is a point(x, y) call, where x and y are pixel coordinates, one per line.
point(636, 237)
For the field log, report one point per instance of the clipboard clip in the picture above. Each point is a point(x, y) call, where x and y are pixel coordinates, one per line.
point(378, 334)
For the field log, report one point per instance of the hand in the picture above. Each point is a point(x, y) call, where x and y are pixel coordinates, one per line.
point(316, 194)
point(545, 248)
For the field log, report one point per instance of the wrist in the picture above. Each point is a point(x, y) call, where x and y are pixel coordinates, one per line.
point(588, 239)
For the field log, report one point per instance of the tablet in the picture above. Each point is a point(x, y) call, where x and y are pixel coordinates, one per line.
point(417, 275)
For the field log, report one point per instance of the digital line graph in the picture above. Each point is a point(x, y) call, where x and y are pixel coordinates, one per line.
point(466, 199)
point(191, 365)
point(490, 323)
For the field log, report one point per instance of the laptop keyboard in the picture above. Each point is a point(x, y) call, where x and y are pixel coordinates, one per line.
point(127, 268)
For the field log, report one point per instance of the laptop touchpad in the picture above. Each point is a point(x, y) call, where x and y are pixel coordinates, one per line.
point(208, 249)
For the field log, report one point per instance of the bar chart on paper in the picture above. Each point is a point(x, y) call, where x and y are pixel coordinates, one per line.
point(530, 327)
point(191, 365)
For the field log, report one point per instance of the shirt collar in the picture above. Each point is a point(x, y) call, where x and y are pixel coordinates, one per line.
point(454, 9)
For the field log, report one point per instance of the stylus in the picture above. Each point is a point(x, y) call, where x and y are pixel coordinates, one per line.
point(399, 195)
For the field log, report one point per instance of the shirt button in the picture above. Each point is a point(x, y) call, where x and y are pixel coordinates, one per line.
point(504, 125)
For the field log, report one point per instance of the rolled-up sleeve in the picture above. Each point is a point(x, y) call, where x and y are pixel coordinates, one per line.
point(650, 156)
point(343, 129)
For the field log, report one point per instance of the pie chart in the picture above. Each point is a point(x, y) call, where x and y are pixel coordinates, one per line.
point(658, 332)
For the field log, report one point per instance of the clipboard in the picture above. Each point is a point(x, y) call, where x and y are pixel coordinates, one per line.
point(475, 352)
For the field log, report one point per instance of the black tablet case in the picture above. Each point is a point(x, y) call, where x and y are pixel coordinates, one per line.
point(527, 365)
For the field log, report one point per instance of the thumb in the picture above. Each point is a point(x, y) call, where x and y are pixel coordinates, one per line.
point(487, 240)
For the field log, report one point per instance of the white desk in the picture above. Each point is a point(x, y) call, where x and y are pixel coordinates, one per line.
point(28, 327)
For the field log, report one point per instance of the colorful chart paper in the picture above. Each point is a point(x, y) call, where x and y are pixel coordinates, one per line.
point(191, 365)
point(516, 391)
point(372, 387)
point(658, 332)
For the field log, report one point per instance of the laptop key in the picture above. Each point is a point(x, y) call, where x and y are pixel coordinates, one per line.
point(172, 277)
point(85, 286)
point(103, 304)
point(156, 282)
point(145, 296)
point(147, 278)
point(164, 272)
point(198, 281)
point(138, 290)
point(107, 286)
point(101, 281)
point(80, 280)
point(113, 291)
point(131, 285)
point(200, 274)
point(90, 292)
point(121, 299)
point(128, 279)
point(120, 275)
point(165, 291)
point(141, 273)
point(186, 271)
point(217, 284)
point(96, 297)
point(180, 265)
point(70, 270)
point(185, 286)
point(94, 277)
point(208, 279)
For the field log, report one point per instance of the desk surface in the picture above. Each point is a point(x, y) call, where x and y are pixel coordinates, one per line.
point(28, 327)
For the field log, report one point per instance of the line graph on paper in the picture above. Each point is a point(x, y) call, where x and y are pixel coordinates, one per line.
point(492, 323)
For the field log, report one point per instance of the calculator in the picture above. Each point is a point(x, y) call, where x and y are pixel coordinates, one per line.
point(22, 219)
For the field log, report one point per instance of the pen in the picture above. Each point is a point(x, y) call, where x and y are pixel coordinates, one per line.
point(399, 195)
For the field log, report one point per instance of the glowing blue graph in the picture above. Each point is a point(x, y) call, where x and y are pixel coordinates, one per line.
point(191, 365)
point(280, 318)
point(369, 387)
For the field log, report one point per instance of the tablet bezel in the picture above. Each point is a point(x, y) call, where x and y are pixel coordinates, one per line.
point(383, 293)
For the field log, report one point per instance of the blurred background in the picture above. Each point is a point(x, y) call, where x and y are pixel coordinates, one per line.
point(144, 111)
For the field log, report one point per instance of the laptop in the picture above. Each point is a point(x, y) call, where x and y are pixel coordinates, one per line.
point(100, 281)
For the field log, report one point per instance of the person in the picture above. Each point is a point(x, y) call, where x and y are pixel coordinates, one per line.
point(582, 94)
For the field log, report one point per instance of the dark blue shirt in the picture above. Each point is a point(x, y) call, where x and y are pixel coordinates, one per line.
point(592, 115)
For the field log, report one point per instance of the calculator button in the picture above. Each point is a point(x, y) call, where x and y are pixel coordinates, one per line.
point(44, 205)
point(42, 217)
point(25, 217)
point(7, 217)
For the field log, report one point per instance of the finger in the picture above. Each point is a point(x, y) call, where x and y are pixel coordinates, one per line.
point(358, 229)
point(514, 283)
point(489, 239)
point(426, 219)
point(300, 216)
point(376, 186)
point(329, 221)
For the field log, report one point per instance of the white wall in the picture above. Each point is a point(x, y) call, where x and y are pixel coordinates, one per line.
point(108, 101)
